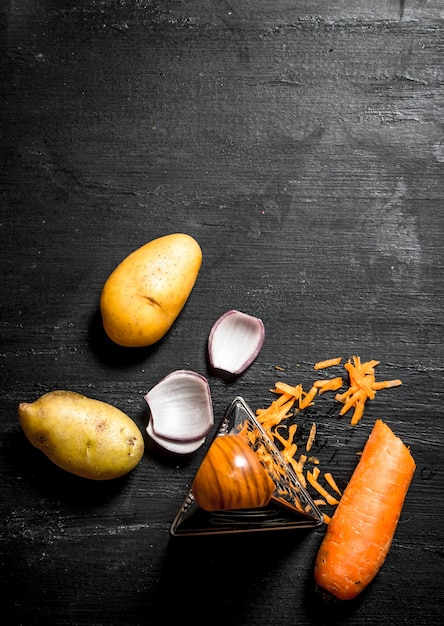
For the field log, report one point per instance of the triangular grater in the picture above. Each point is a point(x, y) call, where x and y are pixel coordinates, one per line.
point(289, 507)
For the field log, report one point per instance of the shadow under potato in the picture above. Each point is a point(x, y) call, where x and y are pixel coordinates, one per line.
point(55, 484)
point(110, 353)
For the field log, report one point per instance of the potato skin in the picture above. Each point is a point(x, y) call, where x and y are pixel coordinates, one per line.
point(85, 437)
point(146, 292)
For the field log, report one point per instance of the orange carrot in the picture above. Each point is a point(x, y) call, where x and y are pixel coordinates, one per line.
point(360, 533)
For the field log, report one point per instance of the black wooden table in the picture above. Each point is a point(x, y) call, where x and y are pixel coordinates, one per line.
point(301, 143)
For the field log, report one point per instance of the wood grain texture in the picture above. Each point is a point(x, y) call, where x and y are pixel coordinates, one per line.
point(301, 145)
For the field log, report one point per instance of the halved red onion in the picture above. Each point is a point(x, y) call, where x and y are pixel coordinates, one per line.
point(235, 341)
point(181, 410)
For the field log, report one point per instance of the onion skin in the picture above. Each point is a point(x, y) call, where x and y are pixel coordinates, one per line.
point(181, 411)
point(235, 341)
point(173, 445)
point(231, 477)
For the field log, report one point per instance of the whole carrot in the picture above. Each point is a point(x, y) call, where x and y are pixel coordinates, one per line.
point(361, 530)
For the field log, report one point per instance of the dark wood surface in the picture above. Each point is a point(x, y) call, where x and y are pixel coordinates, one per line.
point(302, 146)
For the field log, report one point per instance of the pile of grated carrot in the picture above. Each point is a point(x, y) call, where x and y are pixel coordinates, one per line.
point(362, 386)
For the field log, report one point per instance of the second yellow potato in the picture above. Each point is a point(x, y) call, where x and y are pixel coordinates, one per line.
point(146, 292)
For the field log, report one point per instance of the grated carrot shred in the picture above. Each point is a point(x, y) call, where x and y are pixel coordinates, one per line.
point(352, 400)
point(298, 467)
point(275, 414)
point(311, 437)
point(311, 478)
point(291, 433)
point(327, 363)
point(307, 398)
point(281, 387)
point(330, 384)
point(386, 384)
point(320, 502)
point(331, 481)
point(358, 412)
point(342, 397)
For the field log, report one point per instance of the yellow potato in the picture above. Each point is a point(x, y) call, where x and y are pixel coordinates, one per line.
point(86, 437)
point(145, 293)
